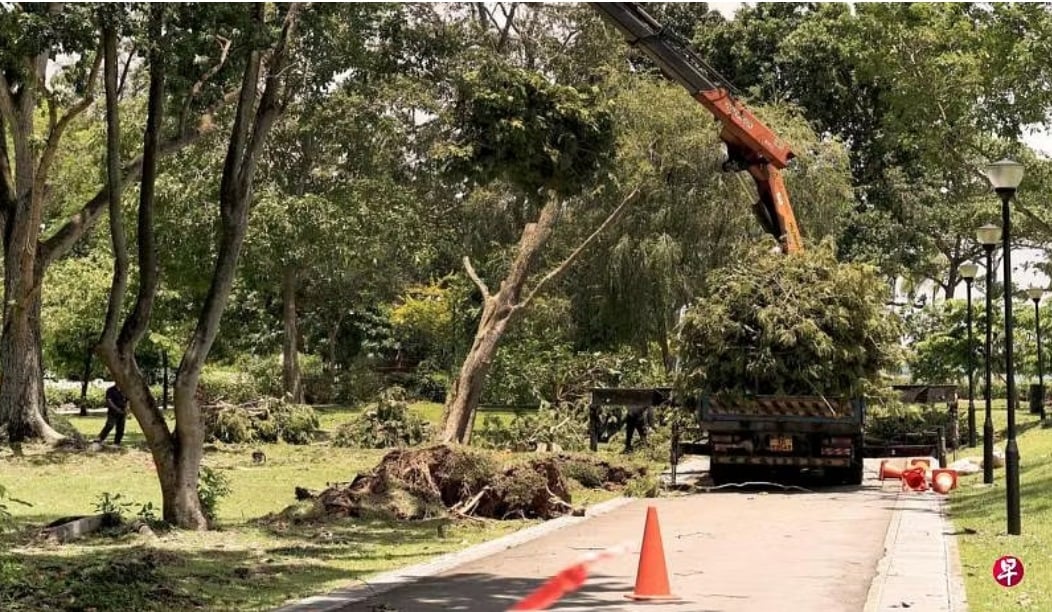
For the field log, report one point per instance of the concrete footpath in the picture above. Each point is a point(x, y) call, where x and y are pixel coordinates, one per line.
point(853, 549)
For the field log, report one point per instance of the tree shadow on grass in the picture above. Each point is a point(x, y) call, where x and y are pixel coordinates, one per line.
point(131, 573)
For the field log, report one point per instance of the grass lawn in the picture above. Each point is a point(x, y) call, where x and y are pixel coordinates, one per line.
point(982, 508)
point(244, 565)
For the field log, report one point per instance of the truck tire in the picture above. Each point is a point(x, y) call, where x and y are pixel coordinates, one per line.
point(723, 473)
point(851, 475)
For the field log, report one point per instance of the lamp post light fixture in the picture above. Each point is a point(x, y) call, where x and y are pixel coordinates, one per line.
point(989, 236)
point(1005, 176)
point(968, 272)
point(1035, 294)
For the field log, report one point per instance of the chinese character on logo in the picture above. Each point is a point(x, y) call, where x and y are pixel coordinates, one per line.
point(1008, 571)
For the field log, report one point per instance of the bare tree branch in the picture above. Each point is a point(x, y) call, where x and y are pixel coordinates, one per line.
point(475, 277)
point(126, 70)
point(195, 90)
point(59, 127)
point(561, 268)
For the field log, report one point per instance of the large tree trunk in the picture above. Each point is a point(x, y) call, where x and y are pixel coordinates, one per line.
point(291, 378)
point(497, 312)
point(22, 391)
point(500, 309)
point(466, 393)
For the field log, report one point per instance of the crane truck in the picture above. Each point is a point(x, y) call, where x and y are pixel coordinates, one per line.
point(781, 434)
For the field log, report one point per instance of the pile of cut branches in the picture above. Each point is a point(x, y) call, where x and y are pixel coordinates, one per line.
point(800, 324)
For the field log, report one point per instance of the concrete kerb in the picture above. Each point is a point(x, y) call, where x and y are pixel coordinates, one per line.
point(892, 587)
point(382, 583)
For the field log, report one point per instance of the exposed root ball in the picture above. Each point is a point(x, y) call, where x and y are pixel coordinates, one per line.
point(440, 480)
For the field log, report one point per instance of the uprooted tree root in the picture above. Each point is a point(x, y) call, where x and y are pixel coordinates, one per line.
point(442, 480)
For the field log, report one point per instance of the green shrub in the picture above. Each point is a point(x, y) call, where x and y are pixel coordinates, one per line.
point(587, 474)
point(56, 397)
point(228, 385)
point(387, 423)
point(212, 486)
point(356, 384)
point(266, 375)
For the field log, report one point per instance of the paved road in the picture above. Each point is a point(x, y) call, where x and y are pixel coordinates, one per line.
point(726, 551)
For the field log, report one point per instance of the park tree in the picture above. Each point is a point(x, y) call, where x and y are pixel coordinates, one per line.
point(550, 143)
point(38, 106)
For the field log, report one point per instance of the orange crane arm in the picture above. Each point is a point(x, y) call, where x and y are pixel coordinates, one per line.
point(751, 145)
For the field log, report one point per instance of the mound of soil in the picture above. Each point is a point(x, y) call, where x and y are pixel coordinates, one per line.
point(441, 480)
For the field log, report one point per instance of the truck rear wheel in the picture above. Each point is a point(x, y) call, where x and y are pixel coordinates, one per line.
point(723, 473)
point(851, 475)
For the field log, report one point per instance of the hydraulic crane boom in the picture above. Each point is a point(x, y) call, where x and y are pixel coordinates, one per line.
point(751, 145)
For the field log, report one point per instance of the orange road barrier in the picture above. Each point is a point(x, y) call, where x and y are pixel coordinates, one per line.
point(913, 478)
point(944, 481)
point(566, 581)
point(652, 576)
point(889, 471)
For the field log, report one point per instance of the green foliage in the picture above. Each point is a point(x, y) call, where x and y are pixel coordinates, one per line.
point(230, 385)
point(266, 372)
point(6, 520)
point(212, 487)
point(423, 321)
point(72, 313)
point(269, 421)
point(388, 423)
point(56, 397)
point(113, 507)
point(646, 485)
point(229, 423)
point(514, 124)
point(801, 324)
point(564, 425)
point(892, 420)
point(297, 423)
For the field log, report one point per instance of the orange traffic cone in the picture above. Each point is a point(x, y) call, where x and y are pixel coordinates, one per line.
point(652, 576)
point(944, 481)
point(889, 471)
point(913, 478)
point(924, 462)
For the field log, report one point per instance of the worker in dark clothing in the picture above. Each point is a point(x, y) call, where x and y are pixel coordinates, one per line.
point(116, 415)
point(639, 417)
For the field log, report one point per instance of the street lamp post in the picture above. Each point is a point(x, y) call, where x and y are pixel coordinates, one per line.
point(1005, 176)
point(989, 236)
point(968, 272)
point(1035, 294)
